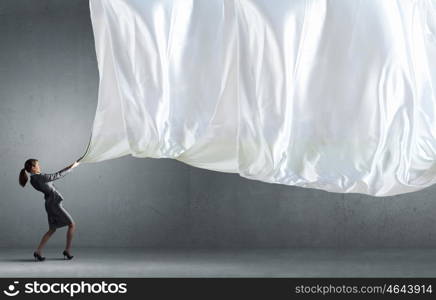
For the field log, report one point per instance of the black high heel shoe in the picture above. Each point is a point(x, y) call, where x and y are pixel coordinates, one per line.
point(38, 257)
point(66, 254)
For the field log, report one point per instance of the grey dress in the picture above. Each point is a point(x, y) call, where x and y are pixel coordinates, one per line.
point(56, 213)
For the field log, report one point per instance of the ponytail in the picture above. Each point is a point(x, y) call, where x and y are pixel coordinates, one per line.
point(23, 177)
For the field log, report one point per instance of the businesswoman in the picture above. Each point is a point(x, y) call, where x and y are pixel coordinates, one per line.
point(56, 213)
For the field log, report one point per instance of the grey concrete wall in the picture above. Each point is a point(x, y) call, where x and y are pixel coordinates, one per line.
point(48, 96)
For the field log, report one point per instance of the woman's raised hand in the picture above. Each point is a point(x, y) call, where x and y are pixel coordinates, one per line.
point(73, 165)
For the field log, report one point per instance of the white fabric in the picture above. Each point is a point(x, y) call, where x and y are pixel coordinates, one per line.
point(335, 95)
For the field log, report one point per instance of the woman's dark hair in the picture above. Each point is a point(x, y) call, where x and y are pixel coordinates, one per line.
point(22, 179)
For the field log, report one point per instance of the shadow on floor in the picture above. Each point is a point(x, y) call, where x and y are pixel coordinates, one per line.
point(28, 259)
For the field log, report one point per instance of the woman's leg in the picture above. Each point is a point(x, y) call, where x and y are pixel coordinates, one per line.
point(45, 239)
point(70, 233)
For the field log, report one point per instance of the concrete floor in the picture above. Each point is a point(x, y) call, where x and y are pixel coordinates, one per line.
point(137, 262)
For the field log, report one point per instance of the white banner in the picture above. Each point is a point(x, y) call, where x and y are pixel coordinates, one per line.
point(335, 95)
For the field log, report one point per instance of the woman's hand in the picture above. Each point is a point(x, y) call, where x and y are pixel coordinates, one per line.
point(73, 165)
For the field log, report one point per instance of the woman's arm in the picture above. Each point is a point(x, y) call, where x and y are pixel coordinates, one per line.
point(59, 174)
